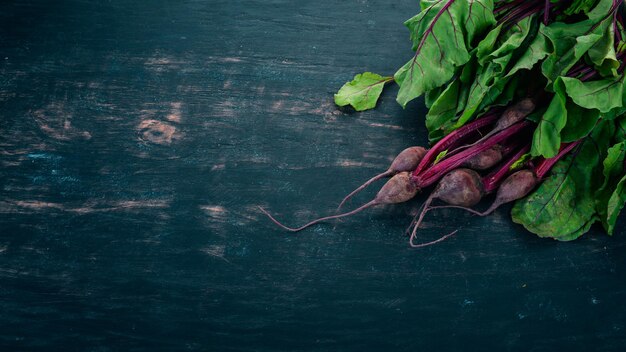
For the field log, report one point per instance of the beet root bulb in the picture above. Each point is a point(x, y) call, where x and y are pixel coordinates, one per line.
point(461, 187)
point(406, 160)
point(515, 186)
point(399, 189)
point(485, 159)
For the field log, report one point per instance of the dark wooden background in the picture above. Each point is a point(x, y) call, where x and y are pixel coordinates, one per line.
point(137, 139)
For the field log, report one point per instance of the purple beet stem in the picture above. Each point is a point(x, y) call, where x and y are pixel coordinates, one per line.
point(545, 165)
point(454, 137)
point(492, 181)
point(437, 171)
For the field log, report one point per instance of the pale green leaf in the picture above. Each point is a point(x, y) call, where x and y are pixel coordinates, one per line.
point(362, 92)
point(440, 156)
point(519, 163)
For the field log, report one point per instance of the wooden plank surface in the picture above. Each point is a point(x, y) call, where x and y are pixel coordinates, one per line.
point(137, 139)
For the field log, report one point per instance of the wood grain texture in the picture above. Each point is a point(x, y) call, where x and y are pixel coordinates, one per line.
point(137, 139)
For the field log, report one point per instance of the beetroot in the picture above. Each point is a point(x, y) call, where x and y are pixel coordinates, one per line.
point(407, 160)
point(433, 174)
point(458, 184)
point(515, 114)
point(460, 187)
point(452, 140)
point(485, 159)
point(514, 187)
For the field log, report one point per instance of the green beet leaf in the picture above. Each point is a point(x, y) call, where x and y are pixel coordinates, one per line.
point(509, 41)
point(493, 56)
point(563, 206)
point(580, 122)
point(362, 92)
point(441, 34)
point(508, 93)
point(484, 91)
point(432, 95)
point(616, 113)
point(603, 95)
point(440, 116)
point(487, 45)
point(613, 164)
point(569, 42)
point(477, 17)
point(615, 205)
point(611, 196)
point(579, 6)
point(468, 72)
point(547, 136)
point(601, 11)
point(582, 230)
point(620, 130)
point(602, 54)
point(537, 51)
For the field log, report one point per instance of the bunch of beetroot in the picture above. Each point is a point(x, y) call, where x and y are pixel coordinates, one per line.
point(527, 101)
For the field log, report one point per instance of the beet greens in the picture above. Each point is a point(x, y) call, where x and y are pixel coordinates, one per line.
point(526, 100)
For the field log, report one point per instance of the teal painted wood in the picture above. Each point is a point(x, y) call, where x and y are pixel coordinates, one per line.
point(138, 138)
